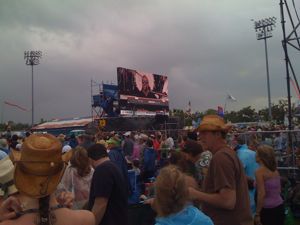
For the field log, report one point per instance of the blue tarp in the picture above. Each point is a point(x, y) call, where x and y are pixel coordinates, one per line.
point(110, 90)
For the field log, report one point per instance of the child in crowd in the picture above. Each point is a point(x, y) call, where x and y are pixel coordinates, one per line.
point(171, 200)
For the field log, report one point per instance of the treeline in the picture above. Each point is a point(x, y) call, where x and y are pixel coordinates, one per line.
point(14, 126)
point(246, 114)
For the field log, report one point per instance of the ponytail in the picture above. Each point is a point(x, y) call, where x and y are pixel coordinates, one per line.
point(44, 210)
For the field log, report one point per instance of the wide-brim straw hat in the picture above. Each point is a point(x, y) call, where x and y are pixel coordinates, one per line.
point(7, 186)
point(39, 166)
point(213, 123)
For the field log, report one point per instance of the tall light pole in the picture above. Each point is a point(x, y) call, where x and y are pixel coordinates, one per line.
point(264, 30)
point(32, 59)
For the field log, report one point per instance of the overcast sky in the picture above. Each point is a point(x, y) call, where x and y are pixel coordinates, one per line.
point(206, 48)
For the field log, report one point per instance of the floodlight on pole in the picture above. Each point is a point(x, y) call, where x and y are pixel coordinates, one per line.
point(263, 29)
point(32, 59)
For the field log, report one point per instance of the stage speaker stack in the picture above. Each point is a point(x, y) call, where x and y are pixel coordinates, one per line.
point(161, 118)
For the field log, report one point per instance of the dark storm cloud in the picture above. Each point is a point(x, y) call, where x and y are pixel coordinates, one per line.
point(207, 48)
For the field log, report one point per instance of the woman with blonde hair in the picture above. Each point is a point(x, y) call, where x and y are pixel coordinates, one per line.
point(171, 200)
point(269, 208)
point(39, 167)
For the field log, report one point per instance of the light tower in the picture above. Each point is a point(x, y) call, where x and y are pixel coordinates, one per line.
point(264, 28)
point(32, 59)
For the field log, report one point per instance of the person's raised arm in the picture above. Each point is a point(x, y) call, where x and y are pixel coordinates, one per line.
point(225, 198)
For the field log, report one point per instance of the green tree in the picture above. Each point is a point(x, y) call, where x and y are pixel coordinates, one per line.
point(278, 111)
point(231, 116)
point(210, 112)
point(247, 114)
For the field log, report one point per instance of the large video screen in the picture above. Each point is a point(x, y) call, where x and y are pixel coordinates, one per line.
point(142, 93)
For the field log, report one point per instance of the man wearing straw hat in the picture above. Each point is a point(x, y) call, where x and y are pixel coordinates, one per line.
point(10, 205)
point(225, 192)
point(38, 168)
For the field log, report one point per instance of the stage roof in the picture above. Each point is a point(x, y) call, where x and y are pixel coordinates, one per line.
point(55, 124)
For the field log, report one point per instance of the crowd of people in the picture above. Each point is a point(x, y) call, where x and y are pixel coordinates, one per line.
point(205, 177)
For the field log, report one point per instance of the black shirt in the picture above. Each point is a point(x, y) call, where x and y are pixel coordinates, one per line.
point(109, 183)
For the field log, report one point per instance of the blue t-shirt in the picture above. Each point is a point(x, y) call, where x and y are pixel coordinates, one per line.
point(190, 215)
point(248, 159)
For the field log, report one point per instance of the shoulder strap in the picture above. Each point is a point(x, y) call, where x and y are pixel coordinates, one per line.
point(73, 185)
point(28, 211)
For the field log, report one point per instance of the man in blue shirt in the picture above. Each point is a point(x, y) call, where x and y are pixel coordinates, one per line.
point(248, 159)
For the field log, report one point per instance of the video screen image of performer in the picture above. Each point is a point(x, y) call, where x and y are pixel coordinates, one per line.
point(145, 90)
point(140, 84)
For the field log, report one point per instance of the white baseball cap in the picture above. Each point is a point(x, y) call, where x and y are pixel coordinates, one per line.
point(66, 148)
point(128, 133)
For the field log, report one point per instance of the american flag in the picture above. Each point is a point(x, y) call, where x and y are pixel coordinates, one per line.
point(220, 111)
point(231, 98)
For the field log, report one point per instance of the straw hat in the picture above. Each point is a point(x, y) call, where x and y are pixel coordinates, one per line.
point(39, 165)
point(213, 123)
point(7, 169)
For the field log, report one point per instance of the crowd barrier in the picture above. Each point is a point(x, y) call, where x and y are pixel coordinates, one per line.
point(287, 157)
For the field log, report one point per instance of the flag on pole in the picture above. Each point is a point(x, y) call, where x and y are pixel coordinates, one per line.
point(15, 105)
point(220, 111)
point(231, 98)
